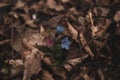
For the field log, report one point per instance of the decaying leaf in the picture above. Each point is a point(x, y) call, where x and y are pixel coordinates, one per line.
point(42, 29)
point(4, 41)
point(47, 76)
point(93, 27)
point(84, 43)
point(32, 64)
point(117, 16)
point(53, 5)
point(36, 38)
point(48, 61)
point(101, 74)
point(19, 4)
point(16, 68)
point(64, 1)
point(73, 32)
point(74, 62)
point(100, 29)
point(32, 60)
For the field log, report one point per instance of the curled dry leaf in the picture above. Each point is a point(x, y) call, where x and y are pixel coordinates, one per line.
point(19, 4)
point(98, 30)
point(117, 16)
point(4, 41)
point(64, 1)
point(47, 60)
point(74, 62)
point(84, 43)
point(32, 64)
point(83, 74)
point(101, 74)
point(73, 32)
point(32, 60)
point(36, 38)
point(53, 5)
point(16, 68)
point(59, 8)
point(46, 75)
point(15, 62)
point(93, 27)
point(42, 29)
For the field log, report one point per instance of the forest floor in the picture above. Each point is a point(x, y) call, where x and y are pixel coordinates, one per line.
point(59, 40)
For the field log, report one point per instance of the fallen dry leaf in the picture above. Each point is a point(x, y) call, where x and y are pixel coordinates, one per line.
point(19, 4)
point(84, 43)
point(53, 5)
point(47, 76)
point(117, 16)
point(73, 32)
point(4, 42)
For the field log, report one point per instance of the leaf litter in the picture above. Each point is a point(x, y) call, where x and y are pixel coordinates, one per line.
point(59, 40)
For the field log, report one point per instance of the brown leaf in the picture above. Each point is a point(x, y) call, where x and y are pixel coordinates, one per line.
point(84, 43)
point(101, 74)
point(32, 63)
point(73, 32)
point(59, 8)
point(53, 5)
point(42, 29)
point(98, 30)
point(19, 4)
point(117, 16)
point(64, 1)
point(16, 68)
point(74, 62)
point(4, 41)
point(47, 60)
point(46, 75)
point(15, 62)
point(36, 38)
point(3, 4)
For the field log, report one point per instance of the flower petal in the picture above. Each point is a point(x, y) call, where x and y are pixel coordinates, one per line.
point(65, 43)
point(68, 42)
point(66, 47)
point(59, 29)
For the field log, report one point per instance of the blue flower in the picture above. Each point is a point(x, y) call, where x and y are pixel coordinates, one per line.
point(65, 43)
point(59, 29)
